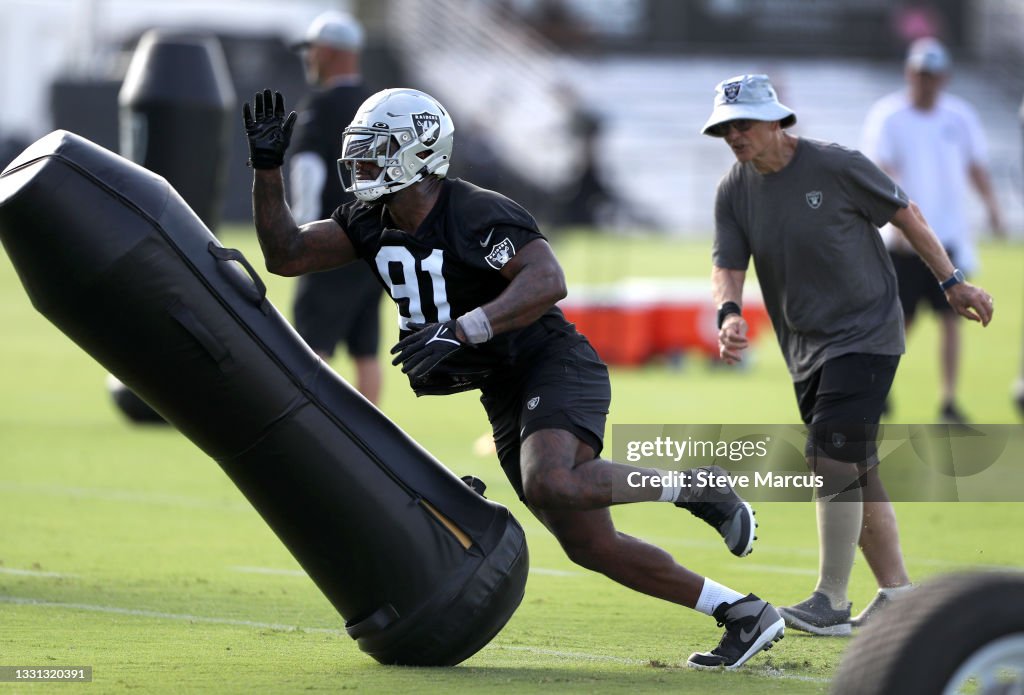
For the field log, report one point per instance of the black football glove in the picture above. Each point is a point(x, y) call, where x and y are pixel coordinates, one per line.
point(428, 346)
point(268, 132)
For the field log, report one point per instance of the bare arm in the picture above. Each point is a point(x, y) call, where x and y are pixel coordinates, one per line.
point(911, 222)
point(967, 300)
point(983, 185)
point(287, 248)
point(727, 286)
point(536, 283)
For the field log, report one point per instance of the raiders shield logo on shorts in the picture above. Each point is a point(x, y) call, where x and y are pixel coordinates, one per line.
point(814, 199)
point(428, 127)
point(501, 253)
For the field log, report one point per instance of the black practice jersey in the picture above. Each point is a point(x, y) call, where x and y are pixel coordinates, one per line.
point(452, 264)
point(322, 115)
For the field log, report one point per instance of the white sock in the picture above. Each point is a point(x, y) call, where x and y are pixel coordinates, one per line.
point(670, 493)
point(713, 594)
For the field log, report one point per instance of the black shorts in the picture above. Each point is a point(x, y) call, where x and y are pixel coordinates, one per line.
point(341, 305)
point(917, 284)
point(842, 403)
point(566, 387)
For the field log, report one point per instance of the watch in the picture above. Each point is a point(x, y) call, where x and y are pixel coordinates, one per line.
point(955, 279)
point(726, 309)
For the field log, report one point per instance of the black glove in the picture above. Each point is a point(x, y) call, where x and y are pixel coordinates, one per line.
point(428, 346)
point(269, 132)
point(438, 363)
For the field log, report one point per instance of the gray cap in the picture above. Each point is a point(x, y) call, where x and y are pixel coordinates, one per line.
point(928, 55)
point(748, 96)
point(335, 30)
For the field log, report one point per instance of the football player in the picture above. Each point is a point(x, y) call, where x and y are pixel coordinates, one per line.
point(475, 284)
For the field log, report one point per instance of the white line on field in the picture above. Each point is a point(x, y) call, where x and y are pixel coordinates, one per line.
point(35, 573)
point(773, 672)
point(778, 569)
point(577, 656)
point(268, 570)
point(768, 671)
point(541, 651)
point(115, 495)
point(141, 613)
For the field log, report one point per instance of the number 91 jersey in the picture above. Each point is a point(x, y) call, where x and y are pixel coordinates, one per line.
point(452, 263)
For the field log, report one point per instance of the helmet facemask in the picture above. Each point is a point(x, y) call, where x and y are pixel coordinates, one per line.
point(398, 138)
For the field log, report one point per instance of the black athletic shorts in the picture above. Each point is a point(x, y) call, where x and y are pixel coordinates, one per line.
point(339, 306)
point(917, 284)
point(842, 403)
point(565, 387)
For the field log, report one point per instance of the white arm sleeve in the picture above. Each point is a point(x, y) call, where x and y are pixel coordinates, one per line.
point(308, 174)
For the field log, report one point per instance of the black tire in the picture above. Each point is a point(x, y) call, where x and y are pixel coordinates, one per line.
point(920, 640)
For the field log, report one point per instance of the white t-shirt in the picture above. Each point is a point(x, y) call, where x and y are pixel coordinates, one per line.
point(929, 153)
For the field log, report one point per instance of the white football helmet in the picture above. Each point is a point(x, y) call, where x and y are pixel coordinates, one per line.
point(398, 137)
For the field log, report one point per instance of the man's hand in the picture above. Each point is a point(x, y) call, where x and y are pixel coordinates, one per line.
point(732, 338)
point(426, 348)
point(268, 131)
point(973, 303)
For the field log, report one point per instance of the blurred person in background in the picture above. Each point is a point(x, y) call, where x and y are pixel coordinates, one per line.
point(808, 213)
point(340, 305)
point(475, 285)
point(933, 144)
point(1018, 387)
point(586, 201)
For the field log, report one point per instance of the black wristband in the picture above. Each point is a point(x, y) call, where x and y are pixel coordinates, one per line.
point(726, 309)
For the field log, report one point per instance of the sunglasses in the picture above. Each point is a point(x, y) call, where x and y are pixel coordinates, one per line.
point(742, 125)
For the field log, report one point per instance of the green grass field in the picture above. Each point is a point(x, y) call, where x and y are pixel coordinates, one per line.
point(126, 549)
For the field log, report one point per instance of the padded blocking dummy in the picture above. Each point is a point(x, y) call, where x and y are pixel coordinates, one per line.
point(424, 570)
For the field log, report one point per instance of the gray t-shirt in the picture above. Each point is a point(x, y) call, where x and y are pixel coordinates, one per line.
point(812, 228)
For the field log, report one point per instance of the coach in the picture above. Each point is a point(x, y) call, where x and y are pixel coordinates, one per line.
point(808, 212)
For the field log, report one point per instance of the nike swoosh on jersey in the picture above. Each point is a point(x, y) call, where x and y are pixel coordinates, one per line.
point(488, 239)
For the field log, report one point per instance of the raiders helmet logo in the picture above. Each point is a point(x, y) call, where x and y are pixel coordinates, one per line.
point(501, 253)
point(731, 90)
point(428, 127)
point(814, 199)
